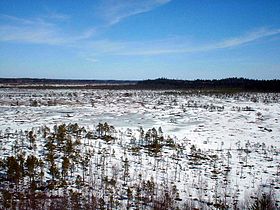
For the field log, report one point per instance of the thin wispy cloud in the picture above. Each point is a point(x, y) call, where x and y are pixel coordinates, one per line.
point(98, 49)
point(173, 46)
point(36, 30)
point(29, 35)
point(56, 16)
point(42, 30)
point(247, 38)
point(46, 29)
point(115, 11)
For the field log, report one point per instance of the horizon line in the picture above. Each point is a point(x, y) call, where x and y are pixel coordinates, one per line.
point(129, 80)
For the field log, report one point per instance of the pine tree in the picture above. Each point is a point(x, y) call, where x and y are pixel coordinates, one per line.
point(32, 138)
point(65, 167)
point(13, 169)
point(31, 165)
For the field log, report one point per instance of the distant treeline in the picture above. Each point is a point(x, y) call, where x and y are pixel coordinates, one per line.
point(229, 84)
point(222, 84)
point(34, 81)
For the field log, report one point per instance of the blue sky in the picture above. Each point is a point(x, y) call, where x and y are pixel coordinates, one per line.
point(140, 39)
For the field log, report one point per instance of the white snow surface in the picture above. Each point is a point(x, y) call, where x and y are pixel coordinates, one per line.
point(241, 129)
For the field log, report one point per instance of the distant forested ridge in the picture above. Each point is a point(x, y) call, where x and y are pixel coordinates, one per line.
point(44, 81)
point(229, 84)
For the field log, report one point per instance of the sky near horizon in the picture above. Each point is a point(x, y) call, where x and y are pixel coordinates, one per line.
point(140, 39)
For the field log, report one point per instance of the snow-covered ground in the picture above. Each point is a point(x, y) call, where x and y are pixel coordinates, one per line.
point(227, 145)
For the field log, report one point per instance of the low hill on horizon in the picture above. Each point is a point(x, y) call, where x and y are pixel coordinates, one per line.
point(228, 83)
point(239, 84)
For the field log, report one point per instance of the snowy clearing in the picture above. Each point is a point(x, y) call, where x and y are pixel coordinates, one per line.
point(208, 148)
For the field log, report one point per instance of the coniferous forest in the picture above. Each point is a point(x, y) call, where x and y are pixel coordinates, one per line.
point(220, 85)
